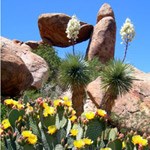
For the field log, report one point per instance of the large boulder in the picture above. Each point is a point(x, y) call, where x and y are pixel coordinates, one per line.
point(132, 110)
point(15, 76)
point(53, 26)
point(102, 42)
point(35, 64)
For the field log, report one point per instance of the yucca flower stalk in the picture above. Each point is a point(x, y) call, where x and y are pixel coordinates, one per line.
point(72, 30)
point(127, 33)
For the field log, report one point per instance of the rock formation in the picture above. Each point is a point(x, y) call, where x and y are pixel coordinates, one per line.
point(52, 29)
point(34, 63)
point(132, 110)
point(102, 43)
point(105, 11)
point(15, 76)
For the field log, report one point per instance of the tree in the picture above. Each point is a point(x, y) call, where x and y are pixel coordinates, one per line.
point(116, 80)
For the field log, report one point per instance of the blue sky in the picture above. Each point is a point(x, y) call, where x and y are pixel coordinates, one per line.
point(19, 21)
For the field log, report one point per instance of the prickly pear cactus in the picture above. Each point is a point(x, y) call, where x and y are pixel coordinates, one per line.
point(115, 145)
point(14, 116)
point(61, 120)
point(94, 129)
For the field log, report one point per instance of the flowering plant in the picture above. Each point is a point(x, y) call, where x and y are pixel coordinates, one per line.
point(127, 33)
point(72, 30)
point(46, 124)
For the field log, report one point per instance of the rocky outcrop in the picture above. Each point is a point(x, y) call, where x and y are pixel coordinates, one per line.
point(132, 110)
point(15, 76)
point(102, 43)
point(52, 29)
point(34, 63)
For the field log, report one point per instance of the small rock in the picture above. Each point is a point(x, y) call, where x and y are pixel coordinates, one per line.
point(105, 11)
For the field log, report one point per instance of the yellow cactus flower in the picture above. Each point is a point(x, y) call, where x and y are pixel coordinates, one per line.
point(6, 123)
point(14, 103)
point(73, 118)
point(26, 133)
point(87, 141)
point(73, 112)
point(65, 98)
point(74, 132)
point(90, 115)
point(48, 111)
point(58, 102)
point(101, 113)
point(9, 102)
point(52, 129)
point(45, 105)
point(107, 148)
point(137, 139)
point(68, 103)
point(79, 143)
point(32, 139)
point(29, 109)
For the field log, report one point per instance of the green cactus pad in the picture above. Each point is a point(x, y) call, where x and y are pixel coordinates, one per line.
point(94, 129)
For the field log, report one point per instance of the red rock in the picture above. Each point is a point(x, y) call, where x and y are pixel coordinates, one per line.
point(35, 64)
point(52, 29)
point(102, 43)
point(15, 76)
point(105, 11)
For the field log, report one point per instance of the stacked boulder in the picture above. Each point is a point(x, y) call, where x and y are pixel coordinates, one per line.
point(53, 26)
point(102, 43)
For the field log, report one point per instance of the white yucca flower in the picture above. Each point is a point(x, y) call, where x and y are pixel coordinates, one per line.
point(73, 28)
point(127, 31)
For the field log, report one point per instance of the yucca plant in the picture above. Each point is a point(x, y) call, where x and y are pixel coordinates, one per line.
point(116, 80)
point(75, 74)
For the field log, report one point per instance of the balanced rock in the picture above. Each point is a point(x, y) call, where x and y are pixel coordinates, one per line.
point(15, 76)
point(102, 42)
point(105, 11)
point(35, 64)
point(132, 110)
point(53, 26)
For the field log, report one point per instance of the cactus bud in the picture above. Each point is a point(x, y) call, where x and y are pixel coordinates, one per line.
point(39, 100)
point(85, 121)
point(121, 135)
